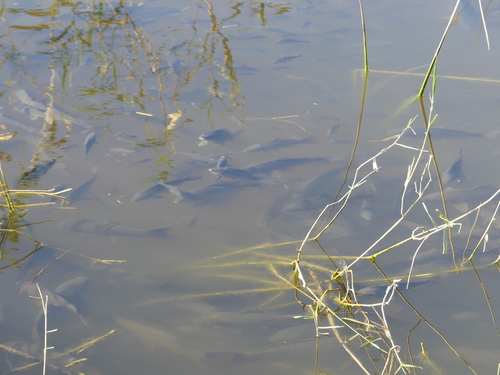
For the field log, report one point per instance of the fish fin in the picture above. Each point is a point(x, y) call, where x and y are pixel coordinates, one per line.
point(162, 232)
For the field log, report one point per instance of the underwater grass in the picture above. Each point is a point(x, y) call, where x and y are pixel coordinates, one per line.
point(345, 301)
point(326, 287)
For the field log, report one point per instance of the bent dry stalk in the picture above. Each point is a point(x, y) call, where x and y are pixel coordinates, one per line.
point(354, 312)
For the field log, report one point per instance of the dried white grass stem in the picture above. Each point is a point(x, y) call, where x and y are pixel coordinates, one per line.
point(45, 304)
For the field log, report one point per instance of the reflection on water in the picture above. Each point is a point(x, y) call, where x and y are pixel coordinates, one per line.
point(200, 143)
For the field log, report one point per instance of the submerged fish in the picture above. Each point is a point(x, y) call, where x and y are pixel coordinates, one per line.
point(285, 59)
point(77, 193)
point(30, 178)
point(90, 140)
point(334, 129)
point(11, 122)
point(219, 136)
point(107, 228)
point(470, 196)
point(36, 109)
point(234, 173)
point(279, 143)
point(222, 162)
point(318, 185)
point(71, 287)
point(454, 172)
point(193, 167)
point(159, 188)
point(115, 153)
point(245, 70)
point(310, 204)
point(305, 24)
point(208, 193)
point(53, 298)
point(149, 192)
point(283, 164)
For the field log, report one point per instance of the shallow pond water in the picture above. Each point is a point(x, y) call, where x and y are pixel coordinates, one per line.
point(188, 241)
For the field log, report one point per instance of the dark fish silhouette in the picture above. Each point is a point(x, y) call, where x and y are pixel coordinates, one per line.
point(90, 140)
point(222, 162)
point(77, 193)
point(219, 136)
point(305, 24)
point(71, 287)
point(279, 143)
point(159, 188)
point(245, 70)
point(470, 196)
point(59, 295)
point(309, 204)
point(234, 173)
point(53, 298)
point(334, 129)
point(318, 185)
point(30, 178)
point(11, 122)
point(454, 172)
point(107, 228)
point(286, 59)
point(283, 164)
point(36, 109)
point(209, 193)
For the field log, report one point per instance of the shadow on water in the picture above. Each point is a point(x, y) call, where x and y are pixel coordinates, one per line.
point(198, 188)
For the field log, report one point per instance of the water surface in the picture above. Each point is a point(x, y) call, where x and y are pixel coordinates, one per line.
point(148, 80)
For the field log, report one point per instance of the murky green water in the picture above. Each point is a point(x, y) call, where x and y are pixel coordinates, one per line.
point(110, 98)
